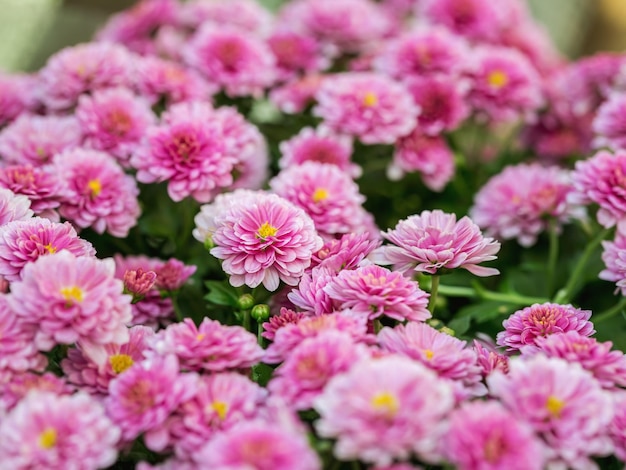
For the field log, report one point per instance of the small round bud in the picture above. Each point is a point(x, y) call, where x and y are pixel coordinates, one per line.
point(245, 302)
point(448, 331)
point(260, 312)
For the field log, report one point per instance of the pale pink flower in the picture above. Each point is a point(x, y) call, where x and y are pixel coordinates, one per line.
point(49, 431)
point(384, 409)
point(435, 241)
point(276, 322)
point(559, 135)
point(347, 252)
point(14, 96)
point(13, 207)
point(210, 347)
point(614, 257)
point(486, 436)
point(82, 301)
point(371, 107)
point(36, 140)
point(608, 124)
point(265, 242)
point(523, 201)
point(24, 241)
point(294, 96)
point(525, 326)
point(310, 295)
point(489, 359)
point(19, 385)
point(233, 59)
point(563, 403)
point(172, 274)
point(617, 429)
point(297, 53)
point(41, 186)
point(245, 15)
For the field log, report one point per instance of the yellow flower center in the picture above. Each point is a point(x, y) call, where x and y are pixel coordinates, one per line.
point(429, 354)
point(51, 249)
point(386, 403)
point(120, 362)
point(266, 230)
point(370, 99)
point(71, 295)
point(497, 79)
point(95, 186)
point(200, 336)
point(48, 438)
point(320, 194)
point(220, 408)
point(555, 406)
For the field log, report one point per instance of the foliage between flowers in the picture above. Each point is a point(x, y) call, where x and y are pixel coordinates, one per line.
point(348, 234)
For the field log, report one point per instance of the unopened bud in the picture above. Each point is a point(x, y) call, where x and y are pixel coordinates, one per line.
point(138, 282)
point(245, 302)
point(260, 312)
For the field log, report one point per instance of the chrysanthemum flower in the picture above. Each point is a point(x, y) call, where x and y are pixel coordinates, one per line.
point(296, 53)
point(82, 301)
point(310, 295)
point(489, 359)
point(434, 241)
point(347, 252)
point(233, 59)
point(42, 187)
point(245, 15)
point(172, 274)
point(114, 121)
point(21, 384)
point(325, 192)
point(525, 326)
point(24, 241)
point(83, 68)
point(371, 107)
point(384, 409)
point(265, 242)
point(524, 200)
point(50, 431)
point(563, 403)
point(485, 436)
point(276, 322)
point(617, 429)
point(14, 96)
point(294, 96)
point(608, 124)
point(97, 193)
point(36, 140)
point(210, 347)
point(13, 207)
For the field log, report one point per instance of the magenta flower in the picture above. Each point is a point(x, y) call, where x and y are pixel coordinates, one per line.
point(563, 403)
point(36, 140)
point(523, 200)
point(81, 302)
point(374, 291)
point(525, 326)
point(138, 282)
point(384, 409)
point(172, 274)
point(97, 192)
point(617, 429)
point(114, 121)
point(489, 359)
point(486, 436)
point(276, 322)
point(266, 242)
point(371, 107)
point(243, 15)
point(297, 53)
point(233, 59)
point(294, 96)
point(428, 155)
point(347, 252)
point(49, 431)
point(42, 187)
point(310, 295)
point(24, 241)
point(259, 445)
point(210, 347)
point(608, 124)
point(15, 96)
point(19, 385)
point(13, 207)
point(614, 257)
point(435, 241)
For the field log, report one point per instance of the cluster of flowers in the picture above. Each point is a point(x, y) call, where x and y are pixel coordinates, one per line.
point(100, 366)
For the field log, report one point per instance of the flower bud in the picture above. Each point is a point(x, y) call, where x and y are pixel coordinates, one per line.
point(245, 302)
point(138, 282)
point(260, 312)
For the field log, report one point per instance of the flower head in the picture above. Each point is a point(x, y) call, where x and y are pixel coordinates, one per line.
point(297, 53)
point(15, 96)
point(294, 96)
point(42, 187)
point(608, 124)
point(13, 207)
point(244, 15)
point(21, 384)
point(347, 252)
point(276, 322)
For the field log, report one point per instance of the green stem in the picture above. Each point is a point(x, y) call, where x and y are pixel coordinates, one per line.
point(434, 289)
point(553, 255)
point(566, 294)
point(246, 320)
point(259, 334)
point(454, 291)
point(377, 326)
point(610, 312)
point(355, 465)
point(177, 312)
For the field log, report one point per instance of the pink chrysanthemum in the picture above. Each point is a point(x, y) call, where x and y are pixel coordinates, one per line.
point(97, 192)
point(276, 322)
point(428, 155)
point(563, 403)
point(13, 207)
point(20, 385)
point(291, 335)
point(259, 445)
point(50, 431)
point(559, 135)
point(172, 274)
point(14, 96)
point(600, 180)
point(486, 436)
point(189, 150)
point(95, 379)
point(144, 396)
point(210, 347)
point(374, 291)
point(347, 252)
point(24, 241)
point(523, 201)
point(505, 86)
point(434, 241)
point(221, 401)
point(372, 107)
point(114, 121)
point(42, 187)
point(525, 326)
point(310, 366)
point(266, 242)
point(232, 59)
point(81, 69)
point(446, 355)
point(81, 302)
point(384, 409)
point(489, 359)
point(319, 145)
point(36, 139)
point(310, 295)
point(294, 96)
point(608, 124)
point(244, 15)
point(296, 53)
point(326, 193)
point(617, 429)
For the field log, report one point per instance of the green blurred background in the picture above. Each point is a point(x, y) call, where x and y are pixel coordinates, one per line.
point(31, 30)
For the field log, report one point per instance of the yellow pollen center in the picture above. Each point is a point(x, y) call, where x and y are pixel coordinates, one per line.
point(555, 406)
point(52, 250)
point(95, 187)
point(320, 194)
point(48, 438)
point(220, 408)
point(497, 79)
point(429, 354)
point(266, 230)
point(386, 403)
point(200, 336)
point(120, 362)
point(72, 294)
point(370, 99)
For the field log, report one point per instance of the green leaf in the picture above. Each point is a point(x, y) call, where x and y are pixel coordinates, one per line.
point(486, 311)
point(460, 325)
point(221, 293)
point(261, 374)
